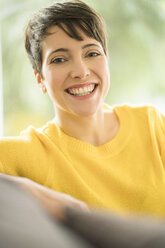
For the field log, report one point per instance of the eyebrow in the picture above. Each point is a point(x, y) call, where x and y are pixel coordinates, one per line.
point(67, 50)
point(89, 45)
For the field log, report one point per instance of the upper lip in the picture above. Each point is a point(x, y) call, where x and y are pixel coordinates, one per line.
point(80, 85)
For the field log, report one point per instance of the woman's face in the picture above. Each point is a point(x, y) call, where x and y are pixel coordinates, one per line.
point(75, 73)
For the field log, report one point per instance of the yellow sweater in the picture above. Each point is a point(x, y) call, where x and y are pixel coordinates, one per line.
point(125, 175)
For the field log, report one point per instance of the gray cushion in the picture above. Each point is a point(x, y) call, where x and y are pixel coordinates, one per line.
point(105, 230)
point(24, 224)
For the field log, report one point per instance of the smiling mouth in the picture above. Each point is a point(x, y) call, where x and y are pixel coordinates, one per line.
point(82, 91)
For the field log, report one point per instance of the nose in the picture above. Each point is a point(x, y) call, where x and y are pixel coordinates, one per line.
point(80, 69)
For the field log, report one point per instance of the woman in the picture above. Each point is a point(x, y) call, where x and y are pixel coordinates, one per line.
point(110, 158)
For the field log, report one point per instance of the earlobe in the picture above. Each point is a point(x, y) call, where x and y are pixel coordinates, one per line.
point(40, 82)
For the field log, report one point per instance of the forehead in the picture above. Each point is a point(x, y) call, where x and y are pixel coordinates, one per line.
point(57, 37)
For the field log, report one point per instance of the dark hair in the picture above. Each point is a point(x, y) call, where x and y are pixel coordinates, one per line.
point(67, 15)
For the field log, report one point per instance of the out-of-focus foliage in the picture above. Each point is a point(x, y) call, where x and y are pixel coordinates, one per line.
point(136, 34)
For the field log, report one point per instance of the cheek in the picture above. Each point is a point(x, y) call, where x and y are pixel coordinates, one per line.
point(102, 64)
point(107, 71)
point(104, 74)
point(54, 79)
point(103, 70)
point(55, 84)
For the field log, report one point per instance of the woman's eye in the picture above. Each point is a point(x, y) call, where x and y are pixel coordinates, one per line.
point(57, 61)
point(93, 54)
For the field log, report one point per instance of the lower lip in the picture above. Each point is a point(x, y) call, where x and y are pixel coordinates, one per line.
point(84, 97)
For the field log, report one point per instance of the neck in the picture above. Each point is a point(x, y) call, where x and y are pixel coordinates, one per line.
point(95, 129)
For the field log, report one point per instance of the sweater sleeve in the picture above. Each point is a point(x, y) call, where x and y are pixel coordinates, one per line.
point(12, 155)
point(162, 138)
point(160, 133)
point(1, 168)
point(25, 155)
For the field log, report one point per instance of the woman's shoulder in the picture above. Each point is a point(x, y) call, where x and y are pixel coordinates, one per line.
point(30, 133)
point(150, 110)
point(140, 113)
point(136, 108)
point(42, 132)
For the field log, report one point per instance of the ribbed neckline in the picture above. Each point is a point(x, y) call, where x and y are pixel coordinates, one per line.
point(110, 148)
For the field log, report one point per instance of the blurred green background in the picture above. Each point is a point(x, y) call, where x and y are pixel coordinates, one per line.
point(136, 33)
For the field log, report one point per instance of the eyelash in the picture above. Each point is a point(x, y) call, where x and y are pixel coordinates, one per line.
point(93, 53)
point(59, 60)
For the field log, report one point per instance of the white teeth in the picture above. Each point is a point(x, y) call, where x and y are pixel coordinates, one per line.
point(82, 91)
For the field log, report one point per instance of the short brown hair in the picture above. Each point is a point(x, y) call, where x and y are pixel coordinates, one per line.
point(66, 15)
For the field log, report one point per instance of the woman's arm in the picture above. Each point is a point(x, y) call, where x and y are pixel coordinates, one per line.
point(53, 201)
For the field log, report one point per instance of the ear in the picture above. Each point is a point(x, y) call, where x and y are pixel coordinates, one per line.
point(40, 81)
point(38, 78)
